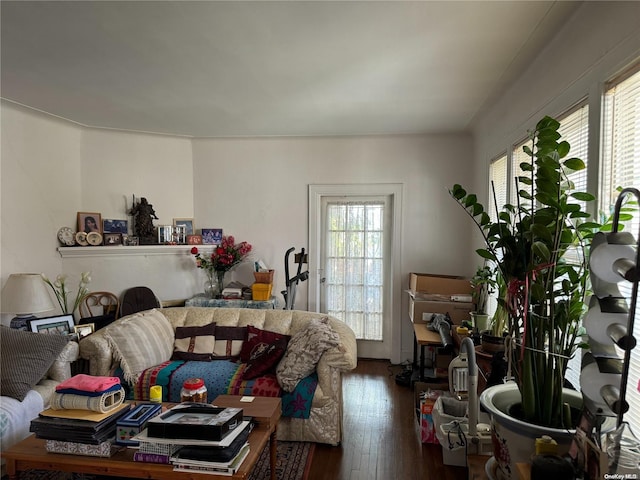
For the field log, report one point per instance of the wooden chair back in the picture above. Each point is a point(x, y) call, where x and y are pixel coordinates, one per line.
point(100, 304)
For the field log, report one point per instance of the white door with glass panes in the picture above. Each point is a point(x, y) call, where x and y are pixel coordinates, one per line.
point(354, 267)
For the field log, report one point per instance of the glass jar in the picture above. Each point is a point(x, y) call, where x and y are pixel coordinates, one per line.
point(194, 390)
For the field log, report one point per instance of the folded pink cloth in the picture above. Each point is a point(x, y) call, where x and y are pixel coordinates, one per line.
point(87, 383)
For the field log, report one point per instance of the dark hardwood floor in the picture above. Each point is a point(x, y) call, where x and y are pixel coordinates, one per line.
point(381, 437)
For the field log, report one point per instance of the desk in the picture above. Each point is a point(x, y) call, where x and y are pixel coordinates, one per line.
point(201, 300)
point(423, 337)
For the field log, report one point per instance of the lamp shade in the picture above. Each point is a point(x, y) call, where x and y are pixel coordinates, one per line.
point(26, 293)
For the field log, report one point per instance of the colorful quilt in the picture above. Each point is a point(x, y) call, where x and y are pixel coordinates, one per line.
point(224, 377)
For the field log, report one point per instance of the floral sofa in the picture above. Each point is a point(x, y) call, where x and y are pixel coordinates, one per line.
point(32, 365)
point(286, 353)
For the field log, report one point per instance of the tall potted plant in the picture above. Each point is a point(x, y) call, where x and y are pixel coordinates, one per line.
point(539, 247)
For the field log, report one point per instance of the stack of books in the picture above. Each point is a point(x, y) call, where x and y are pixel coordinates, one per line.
point(83, 416)
point(196, 438)
point(78, 432)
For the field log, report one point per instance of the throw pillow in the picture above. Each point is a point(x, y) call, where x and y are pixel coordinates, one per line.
point(262, 351)
point(229, 342)
point(140, 341)
point(257, 339)
point(25, 358)
point(194, 343)
point(304, 351)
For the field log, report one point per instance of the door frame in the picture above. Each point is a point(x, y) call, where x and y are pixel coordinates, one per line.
point(394, 299)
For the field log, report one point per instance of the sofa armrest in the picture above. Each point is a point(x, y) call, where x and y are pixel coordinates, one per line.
point(60, 370)
point(96, 349)
point(345, 356)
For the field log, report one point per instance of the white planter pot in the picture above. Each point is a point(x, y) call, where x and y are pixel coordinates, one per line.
point(513, 439)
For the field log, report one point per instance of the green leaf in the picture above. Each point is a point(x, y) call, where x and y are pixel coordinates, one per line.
point(486, 254)
point(470, 199)
point(574, 164)
point(541, 251)
point(583, 196)
point(563, 149)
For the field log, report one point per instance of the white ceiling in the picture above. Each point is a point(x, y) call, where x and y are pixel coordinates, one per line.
point(245, 68)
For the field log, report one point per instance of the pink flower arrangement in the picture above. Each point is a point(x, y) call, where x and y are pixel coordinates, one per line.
point(224, 257)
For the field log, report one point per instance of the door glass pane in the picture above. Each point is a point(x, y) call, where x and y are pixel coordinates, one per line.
point(355, 267)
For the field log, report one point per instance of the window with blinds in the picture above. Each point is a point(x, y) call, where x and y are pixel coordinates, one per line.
point(621, 168)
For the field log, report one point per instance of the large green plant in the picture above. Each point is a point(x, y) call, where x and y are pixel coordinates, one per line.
point(539, 247)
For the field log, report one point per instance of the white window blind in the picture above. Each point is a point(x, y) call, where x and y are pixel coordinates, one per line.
point(574, 128)
point(497, 183)
point(621, 168)
point(517, 157)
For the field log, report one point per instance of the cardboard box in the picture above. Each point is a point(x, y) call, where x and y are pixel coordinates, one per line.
point(419, 387)
point(420, 311)
point(439, 284)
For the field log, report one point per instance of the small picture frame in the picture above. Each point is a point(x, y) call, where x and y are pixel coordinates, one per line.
point(112, 239)
point(194, 239)
point(211, 236)
point(187, 223)
point(165, 234)
point(89, 222)
point(57, 325)
point(84, 330)
point(115, 226)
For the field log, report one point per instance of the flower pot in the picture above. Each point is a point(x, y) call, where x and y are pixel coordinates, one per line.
point(514, 439)
point(480, 321)
point(491, 343)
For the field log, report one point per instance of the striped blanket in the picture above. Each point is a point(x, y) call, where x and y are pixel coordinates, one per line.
point(224, 377)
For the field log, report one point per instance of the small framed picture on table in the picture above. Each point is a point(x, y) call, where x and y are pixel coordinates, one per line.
point(84, 330)
point(112, 239)
point(187, 223)
point(57, 325)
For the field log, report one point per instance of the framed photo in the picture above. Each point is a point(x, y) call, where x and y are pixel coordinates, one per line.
point(89, 222)
point(84, 330)
point(57, 325)
point(187, 223)
point(114, 226)
point(194, 239)
point(211, 236)
point(112, 239)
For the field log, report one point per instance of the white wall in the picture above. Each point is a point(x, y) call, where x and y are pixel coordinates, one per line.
point(257, 189)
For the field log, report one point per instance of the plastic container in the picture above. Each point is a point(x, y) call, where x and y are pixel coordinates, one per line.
point(261, 291)
point(194, 390)
point(451, 425)
point(263, 277)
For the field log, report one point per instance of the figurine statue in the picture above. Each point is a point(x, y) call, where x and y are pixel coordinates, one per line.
point(143, 215)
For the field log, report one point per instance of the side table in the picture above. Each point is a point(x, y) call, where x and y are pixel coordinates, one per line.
point(201, 300)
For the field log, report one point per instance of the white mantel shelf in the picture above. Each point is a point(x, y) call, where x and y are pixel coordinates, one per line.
point(140, 250)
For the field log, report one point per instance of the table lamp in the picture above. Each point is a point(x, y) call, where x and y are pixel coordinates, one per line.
point(25, 294)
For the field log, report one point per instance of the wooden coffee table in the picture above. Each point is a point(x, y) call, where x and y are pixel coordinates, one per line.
point(32, 454)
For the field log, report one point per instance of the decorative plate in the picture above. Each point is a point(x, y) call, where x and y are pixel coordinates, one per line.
point(94, 238)
point(81, 238)
point(66, 237)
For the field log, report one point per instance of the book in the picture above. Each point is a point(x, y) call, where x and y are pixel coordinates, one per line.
point(150, 457)
point(211, 455)
point(103, 449)
point(213, 468)
point(225, 442)
point(76, 430)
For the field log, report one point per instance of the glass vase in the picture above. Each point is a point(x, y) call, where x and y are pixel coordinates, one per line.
point(211, 285)
point(219, 282)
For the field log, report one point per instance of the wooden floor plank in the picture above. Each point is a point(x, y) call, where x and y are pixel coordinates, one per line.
point(381, 438)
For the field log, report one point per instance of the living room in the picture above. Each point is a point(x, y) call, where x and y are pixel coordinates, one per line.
point(66, 167)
